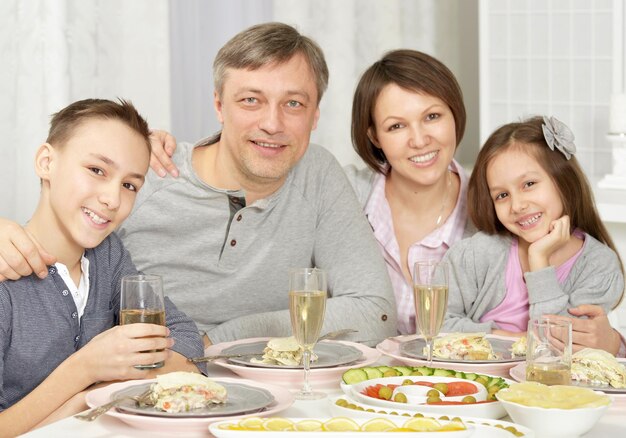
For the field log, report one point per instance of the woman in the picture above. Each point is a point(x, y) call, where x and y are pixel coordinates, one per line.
point(408, 118)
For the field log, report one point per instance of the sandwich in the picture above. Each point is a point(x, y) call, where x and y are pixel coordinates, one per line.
point(463, 346)
point(282, 351)
point(183, 392)
point(598, 367)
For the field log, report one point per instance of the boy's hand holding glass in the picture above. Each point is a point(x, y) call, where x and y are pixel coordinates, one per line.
point(142, 301)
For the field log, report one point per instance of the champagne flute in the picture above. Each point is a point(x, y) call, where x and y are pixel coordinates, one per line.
point(430, 291)
point(307, 303)
point(142, 301)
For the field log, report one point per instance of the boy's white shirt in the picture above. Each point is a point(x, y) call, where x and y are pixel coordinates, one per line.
point(80, 293)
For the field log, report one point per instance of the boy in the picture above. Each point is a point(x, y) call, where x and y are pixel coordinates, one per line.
point(59, 335)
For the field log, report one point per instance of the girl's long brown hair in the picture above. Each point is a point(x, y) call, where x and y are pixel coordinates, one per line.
point(567, 175)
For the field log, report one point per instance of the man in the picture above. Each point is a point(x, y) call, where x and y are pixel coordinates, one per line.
point(252, 202)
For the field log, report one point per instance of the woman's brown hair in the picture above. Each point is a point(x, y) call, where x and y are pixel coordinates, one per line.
point(567, 175)
point(411, 70)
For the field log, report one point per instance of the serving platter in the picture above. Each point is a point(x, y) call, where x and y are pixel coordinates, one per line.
point(484, 428)
point(493, 409)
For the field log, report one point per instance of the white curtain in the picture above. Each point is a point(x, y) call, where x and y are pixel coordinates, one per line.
point(56, 52)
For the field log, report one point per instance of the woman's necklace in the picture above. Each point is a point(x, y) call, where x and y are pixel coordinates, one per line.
point(445, 201)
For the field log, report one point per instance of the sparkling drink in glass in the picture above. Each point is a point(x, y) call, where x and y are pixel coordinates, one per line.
point(430, 292)
point(142, 301)
point(549, 351)
point(307, 304)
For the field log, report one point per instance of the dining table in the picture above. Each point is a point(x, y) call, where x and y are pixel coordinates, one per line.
point(611, 424)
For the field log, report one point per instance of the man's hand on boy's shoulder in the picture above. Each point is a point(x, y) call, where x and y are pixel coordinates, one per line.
point(163, 145)
point(20, 253)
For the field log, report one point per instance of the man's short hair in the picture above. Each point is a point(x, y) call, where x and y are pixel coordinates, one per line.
point(64, 122)
point(265, 44)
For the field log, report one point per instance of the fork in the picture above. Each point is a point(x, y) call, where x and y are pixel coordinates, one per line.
point(94, 413)
point(327, 336)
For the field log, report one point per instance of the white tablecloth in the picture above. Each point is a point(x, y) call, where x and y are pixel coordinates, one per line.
point(611, 425)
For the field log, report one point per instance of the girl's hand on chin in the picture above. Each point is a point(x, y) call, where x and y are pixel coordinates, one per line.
point(539, 252)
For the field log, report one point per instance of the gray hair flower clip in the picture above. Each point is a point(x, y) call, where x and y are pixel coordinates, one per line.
point(558, 136)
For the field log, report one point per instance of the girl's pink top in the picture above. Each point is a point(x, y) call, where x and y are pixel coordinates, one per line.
point(512, 313)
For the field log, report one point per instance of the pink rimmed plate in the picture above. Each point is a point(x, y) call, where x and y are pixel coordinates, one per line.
point(282, 400)
point(292, 378)
point(393, 347)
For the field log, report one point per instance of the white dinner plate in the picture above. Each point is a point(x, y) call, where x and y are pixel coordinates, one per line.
point(391, 347)
point(241, 399)
point(293, 378)
point(283, 398)
point(399, 421)
point(329, 354)
point(485, 428)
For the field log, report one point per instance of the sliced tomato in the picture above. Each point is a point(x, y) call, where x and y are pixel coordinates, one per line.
point(460, 388)
point(420, 382)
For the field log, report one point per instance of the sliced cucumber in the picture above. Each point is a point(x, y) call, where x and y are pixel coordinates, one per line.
point(459, 375)
point(372, 373)
point(443, 373)
point(404, 371)
point(471, 376)
point(354, 375)
point(384, 368)
point(426, 371)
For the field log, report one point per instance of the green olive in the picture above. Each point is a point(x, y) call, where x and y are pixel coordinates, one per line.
point(416, 373)
point(469, 399)
point(385, 392)
point(406, 414)
point(430, 400)
point(400, 398)
point(407, 382)
point(418, 415)
point(390, 373)
point(341, 402)
point(433, 393)
point(444, 417)
point(441, 387)
point(351, 406)
point(457, 419)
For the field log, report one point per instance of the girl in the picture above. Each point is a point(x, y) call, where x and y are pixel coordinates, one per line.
point(408, 118)
point(541, 246)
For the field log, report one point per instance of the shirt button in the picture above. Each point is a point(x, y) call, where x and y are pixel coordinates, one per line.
point(239, 218)
point(76, 338)
point(52, 270)
point(74, 315)
point(384, 317)
point(65, 292)
point(233, 242)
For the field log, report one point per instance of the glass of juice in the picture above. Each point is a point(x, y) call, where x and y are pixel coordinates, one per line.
point(549, 351)
point(430, 292)
point(307, 305)
point(142, 301)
